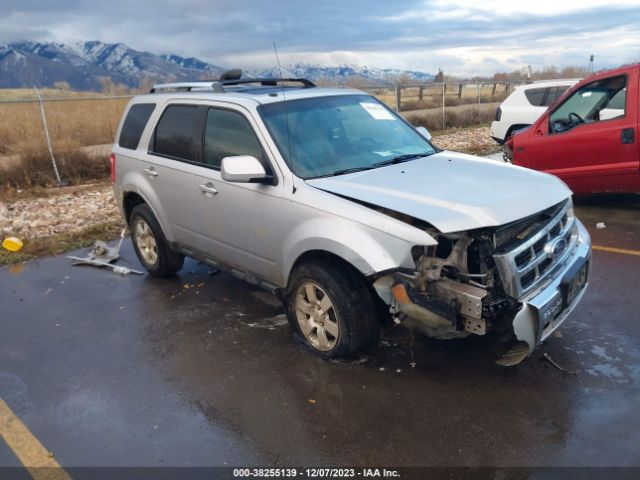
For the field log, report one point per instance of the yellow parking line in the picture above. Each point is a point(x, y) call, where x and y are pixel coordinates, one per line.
point(623, 251)
point(37, 459)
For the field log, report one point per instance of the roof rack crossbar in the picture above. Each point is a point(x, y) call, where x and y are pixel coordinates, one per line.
point(218, 85)
point(188, 86)
point(269, 82)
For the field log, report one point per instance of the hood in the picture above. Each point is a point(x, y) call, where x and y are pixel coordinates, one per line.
point(452, 191)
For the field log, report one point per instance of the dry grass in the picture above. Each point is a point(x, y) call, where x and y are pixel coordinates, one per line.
point(73, 123)
point(30, 93)
point(432, 96)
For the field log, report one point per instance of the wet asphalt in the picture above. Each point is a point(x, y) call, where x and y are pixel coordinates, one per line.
point(201, 370)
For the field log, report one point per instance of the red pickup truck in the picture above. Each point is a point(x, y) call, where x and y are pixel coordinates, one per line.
point(589, 137)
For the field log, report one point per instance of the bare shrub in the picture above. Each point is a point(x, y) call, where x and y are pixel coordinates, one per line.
point(35, 168)
point(78, 167)
point(460, 119)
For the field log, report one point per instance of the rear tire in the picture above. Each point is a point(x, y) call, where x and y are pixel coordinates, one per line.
point(150, 244)
point(331, 309)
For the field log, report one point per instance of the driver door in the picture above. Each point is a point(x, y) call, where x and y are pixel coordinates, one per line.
point(586, 141)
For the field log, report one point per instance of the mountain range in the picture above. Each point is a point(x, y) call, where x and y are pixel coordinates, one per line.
point(82, 65)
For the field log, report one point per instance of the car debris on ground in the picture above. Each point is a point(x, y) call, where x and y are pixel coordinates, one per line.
point(102, 255)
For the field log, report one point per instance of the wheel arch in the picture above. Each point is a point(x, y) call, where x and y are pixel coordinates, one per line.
point(133, 198)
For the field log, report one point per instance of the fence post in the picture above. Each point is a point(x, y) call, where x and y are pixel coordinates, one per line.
point(493, 91)
point(420, 93)
point(479, 100)
point(398, 97)
point(444, 86)
point(46, 133)
point(460, 91)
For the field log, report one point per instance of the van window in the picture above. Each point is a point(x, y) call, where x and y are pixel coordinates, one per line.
point(227, 134)
point(134, 124)
point(178, 132)
point(597, 101)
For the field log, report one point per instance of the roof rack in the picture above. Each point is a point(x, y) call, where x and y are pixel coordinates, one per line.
point(228, 79)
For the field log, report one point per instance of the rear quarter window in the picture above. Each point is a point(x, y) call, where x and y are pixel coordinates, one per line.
point(535, 96)
point(133, 126)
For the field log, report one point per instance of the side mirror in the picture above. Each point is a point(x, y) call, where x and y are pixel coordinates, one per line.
point(424, 132)
point(243, 169)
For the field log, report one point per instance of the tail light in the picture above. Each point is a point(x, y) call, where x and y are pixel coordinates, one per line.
point(112, 164)
point(498, 114)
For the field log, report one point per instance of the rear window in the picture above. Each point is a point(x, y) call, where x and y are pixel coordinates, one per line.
point(134, 124)
point(179, 131)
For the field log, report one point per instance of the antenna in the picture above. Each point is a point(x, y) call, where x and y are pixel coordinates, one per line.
point(286, 113)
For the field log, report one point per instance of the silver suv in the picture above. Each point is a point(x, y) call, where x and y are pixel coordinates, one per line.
point(335, 203)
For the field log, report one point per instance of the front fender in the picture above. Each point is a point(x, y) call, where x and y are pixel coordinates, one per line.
point(367, 249)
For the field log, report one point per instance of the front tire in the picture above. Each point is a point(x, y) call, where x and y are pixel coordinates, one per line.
point(331, 309)
point(150, 244)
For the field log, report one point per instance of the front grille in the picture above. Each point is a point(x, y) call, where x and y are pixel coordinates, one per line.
point(533, 261)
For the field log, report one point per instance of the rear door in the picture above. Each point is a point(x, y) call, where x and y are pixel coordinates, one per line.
point(590, 140)
point(240, 221)
point(174, 150)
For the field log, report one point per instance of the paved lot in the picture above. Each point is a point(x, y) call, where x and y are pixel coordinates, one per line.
point(198, 370)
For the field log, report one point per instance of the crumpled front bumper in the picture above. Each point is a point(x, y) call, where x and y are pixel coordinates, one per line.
point(543, 311)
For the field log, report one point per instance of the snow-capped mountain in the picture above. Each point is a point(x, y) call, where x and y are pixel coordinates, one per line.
point(82, 64)
point(345, 73)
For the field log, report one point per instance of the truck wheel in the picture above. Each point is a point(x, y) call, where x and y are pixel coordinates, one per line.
point(150, 244)
point(331, 309)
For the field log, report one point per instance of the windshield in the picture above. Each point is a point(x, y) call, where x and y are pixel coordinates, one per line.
point(334, 135)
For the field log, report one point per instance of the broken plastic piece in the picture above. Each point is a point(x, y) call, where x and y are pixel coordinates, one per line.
point(12, 244)
point(102, 255)
point(99, 263)
point(548, 358)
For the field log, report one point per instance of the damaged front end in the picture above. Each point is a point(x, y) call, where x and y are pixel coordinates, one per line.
point(520, 279)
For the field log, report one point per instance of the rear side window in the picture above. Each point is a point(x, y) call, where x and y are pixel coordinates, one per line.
point(178, 133)
point(228, 134)
point(544, 97)
point(134, 124)
point(535, 96)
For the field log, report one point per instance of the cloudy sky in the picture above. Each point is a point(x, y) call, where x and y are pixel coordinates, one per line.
point(462, 37)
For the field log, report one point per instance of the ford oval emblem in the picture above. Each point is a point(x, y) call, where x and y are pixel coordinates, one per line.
point(555, 248)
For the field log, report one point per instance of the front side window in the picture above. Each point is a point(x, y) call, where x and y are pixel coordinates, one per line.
point(324, 136)
point(597, 101)
point(228, 134)
point(178, 133)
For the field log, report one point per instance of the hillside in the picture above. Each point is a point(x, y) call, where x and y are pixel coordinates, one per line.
point(81, 65)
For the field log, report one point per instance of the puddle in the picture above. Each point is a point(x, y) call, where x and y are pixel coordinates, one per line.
point(609, 371)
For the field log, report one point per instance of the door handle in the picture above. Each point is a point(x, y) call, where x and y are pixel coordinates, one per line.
point(627, 135)
point(208, 188)
point(151, 172)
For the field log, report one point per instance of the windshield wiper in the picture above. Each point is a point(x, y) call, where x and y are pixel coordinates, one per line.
point(391, 161)
point(352, 170)
point(400, 158)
